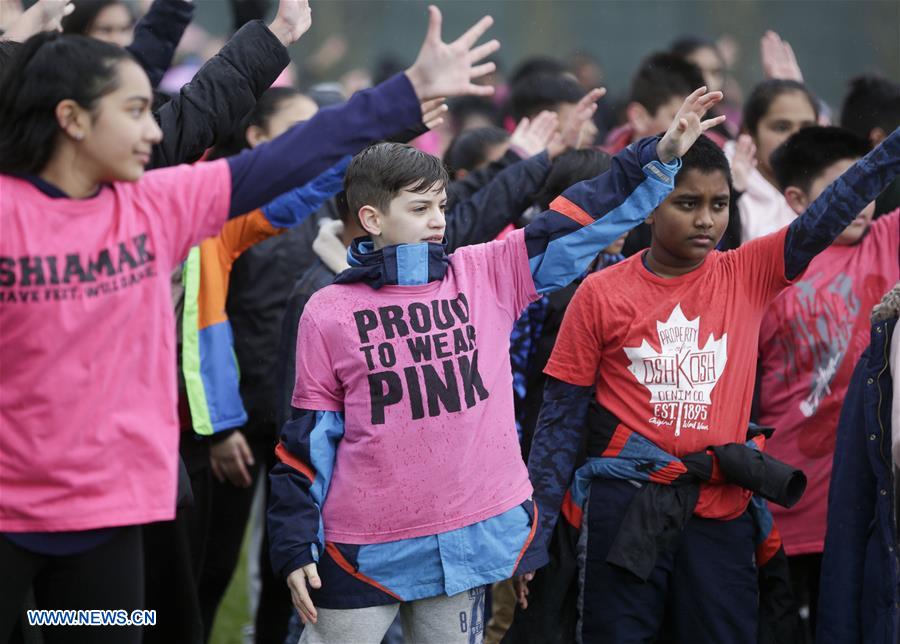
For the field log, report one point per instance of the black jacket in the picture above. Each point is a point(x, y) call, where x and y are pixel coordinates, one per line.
point(224, 91)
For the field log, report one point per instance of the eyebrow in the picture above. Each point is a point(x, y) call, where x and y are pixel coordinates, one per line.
point(143, 99)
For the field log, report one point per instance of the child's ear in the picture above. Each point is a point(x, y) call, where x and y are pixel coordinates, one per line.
point(797, 199)
point(255, 135)
point(73, 119)
point(638, 117)
point(370, 220)
point(876, 136)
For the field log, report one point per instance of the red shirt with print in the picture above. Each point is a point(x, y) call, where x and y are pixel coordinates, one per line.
point(675, 359)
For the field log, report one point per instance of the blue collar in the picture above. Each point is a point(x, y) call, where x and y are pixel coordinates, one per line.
point(402, 265)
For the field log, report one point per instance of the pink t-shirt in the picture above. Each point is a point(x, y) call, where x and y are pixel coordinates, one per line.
point(88, 421)
point(810, 341)
point(423, 377)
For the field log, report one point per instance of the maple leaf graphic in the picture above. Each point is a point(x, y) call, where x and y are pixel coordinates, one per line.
point(682, 371)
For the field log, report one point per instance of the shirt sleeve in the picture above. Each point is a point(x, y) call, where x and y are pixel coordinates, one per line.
point(316, 386)
point(761, 264)
point(186, 203)
point(576, 354)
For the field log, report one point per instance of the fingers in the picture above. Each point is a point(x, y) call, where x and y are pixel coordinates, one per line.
point(481, 51)
point(434, 24)
point(522, 126)
point(480, 70)
point(475, 32)
point(432, 105)
point(592, 97)
point(479, 90)
point(312, 575)
point(711, 123)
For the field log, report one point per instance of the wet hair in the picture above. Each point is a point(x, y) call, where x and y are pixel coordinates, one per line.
point(705, 157)
point(662, 77)
point(379, 173)
point(872, 101)
point(538, 92)
point(469, 149)
point(808, 153)
point(687, 45)
point(266, 107)
point(765, 93)
point(568, 169)
point(537, 65)
point(46, 69)
point(86, 11)
point(465, 107)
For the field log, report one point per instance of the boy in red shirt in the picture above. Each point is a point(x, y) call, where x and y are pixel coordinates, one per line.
point(668, 340)
point(813, 334)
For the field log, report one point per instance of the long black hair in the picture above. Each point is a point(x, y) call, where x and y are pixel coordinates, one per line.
point(46, 69)
point(86, 11)
point(765, 93)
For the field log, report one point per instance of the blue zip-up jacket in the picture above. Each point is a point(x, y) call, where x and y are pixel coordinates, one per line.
point(860, 582)
point(558, 435)
point(560, 244)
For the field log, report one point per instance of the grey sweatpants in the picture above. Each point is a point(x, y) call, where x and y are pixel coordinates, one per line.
point(458, 619)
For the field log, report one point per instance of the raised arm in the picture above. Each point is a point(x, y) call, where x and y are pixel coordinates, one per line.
point(839, 204)
point(157, 34)
point(590, 215)
point(304, 151)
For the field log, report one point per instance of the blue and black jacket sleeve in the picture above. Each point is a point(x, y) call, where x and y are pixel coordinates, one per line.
point(839, 204)
point(311, 147)
point(590, 215)
point(299, 485)
point(482, 216)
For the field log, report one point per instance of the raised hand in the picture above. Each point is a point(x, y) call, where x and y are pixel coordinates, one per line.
point(743, 162)
point(688, 124)
point(778, 58)
point(433, 112)
point(443, 69)
point(532, 136)
point(579, 130)
point(297, 581)
point(293, 19)
point(44, 15)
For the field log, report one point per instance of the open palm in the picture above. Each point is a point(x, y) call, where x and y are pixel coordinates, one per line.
point(448, 69)
point(688, 124)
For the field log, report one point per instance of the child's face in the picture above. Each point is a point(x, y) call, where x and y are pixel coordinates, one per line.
point(787, 114)
point(646, 124)
point(858, 227)
point(121, 134)
point(411, 218)
point(290, 112)
point(616, 247)
point(710, 63)
point(114, 25)
point(692, 220)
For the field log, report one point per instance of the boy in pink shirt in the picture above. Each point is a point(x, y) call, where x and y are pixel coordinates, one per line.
point(401, 485)
point(813, 335)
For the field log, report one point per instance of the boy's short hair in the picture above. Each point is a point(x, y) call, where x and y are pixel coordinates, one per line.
point(469, 149)
point(662, 77)
point(871, 102)
point(464, 107)
point(806, 154)
point(706, 157)
point(538, 92)
point(687, 45)
point(537, 65)
point(568, 169)
point(379, 173)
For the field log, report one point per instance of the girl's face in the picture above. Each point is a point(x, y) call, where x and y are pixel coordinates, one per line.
point(290, 112)
point(120, 133)
point(788, 113)
point(113, 25)
point(710, 63)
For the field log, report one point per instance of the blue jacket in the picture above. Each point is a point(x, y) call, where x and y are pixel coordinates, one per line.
point(860, 582)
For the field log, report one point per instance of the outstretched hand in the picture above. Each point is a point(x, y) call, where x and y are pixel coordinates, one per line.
point(443, 69)
point(532, 136)
point(44, 15)
point(778, 59)
point(688, 124)
point(579, 131)
point(297, 581)
point(743, 162)
point(433, 112)
point(294, 18)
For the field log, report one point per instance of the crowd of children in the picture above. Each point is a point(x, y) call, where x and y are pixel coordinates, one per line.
point(494, 361)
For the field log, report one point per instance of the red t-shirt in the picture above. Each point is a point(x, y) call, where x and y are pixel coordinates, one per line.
point(675, 359)
point(810, 340)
